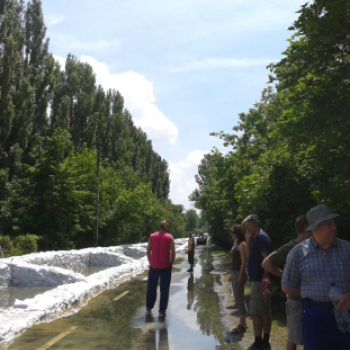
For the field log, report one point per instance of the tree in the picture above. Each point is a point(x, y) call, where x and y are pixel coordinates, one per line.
point(192, 219)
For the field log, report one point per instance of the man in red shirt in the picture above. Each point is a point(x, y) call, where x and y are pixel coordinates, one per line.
point(161, 256)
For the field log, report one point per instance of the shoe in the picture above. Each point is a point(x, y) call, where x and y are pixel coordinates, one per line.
point(190, 270)
point(238, 329)
point(162, 314)
point(148, 312)
point(255, 347)
point(266, 346)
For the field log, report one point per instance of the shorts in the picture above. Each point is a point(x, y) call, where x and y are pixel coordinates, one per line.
point(259, 306)
point(294, 323)
point(191, 257)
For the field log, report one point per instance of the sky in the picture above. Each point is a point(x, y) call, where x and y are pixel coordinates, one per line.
point(185, 68)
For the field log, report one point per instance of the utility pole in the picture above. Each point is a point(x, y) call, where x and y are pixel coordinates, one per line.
point(97, 207)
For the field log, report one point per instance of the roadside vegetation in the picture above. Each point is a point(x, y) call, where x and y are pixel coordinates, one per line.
point(58, 129)
point(291, 150)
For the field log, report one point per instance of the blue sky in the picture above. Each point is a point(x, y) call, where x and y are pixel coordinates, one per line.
point(185, 68)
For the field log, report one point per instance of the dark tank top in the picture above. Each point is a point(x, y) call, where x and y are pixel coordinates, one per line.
point(236, 259)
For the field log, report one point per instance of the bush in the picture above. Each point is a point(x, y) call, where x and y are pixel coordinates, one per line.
point(20, 245)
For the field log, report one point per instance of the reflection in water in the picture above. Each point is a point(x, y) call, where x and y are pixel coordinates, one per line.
point(89, 270)
point(157, 340)
point(207, 302)
point(108, 324)
point(190, 291)
point(10, 294)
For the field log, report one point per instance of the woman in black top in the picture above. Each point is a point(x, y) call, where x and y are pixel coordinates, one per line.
point(238, 277)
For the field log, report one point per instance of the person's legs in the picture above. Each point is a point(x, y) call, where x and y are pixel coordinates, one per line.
point(165, 279)
point(238, 293)
point(291, 346)
point(344, 341)
point(152, 288)
point(260, 307)
point(319, 328)
point(191, 260)
point(294, 327)
point(256, 312)
point(267, 321)
point(257, 325)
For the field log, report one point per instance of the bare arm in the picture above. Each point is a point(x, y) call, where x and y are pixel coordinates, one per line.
point(243, 251)
point(294, 292)
point(172, 251)
point(268, 266)
point(265, 255)
point(248, 241)
point(149, 249)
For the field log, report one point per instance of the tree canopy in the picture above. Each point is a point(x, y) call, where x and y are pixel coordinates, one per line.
point(55, 126)
point(291, 150)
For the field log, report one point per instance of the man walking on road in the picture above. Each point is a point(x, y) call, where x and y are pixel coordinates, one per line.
point(311, 269)
point(161, 256)
point(259, 308)
point(190, 251)
point(274, 264)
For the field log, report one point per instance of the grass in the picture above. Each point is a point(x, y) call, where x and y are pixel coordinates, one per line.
point(178, 261)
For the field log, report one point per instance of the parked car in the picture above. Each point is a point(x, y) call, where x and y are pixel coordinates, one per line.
point(202, 239)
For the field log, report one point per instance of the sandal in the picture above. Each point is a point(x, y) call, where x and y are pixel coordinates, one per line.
point(238, 329)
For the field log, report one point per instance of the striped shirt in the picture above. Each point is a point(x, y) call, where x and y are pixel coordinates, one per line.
point(313, 269)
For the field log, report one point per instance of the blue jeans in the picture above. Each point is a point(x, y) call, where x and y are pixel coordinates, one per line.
point(320, 329)
point(165, 279)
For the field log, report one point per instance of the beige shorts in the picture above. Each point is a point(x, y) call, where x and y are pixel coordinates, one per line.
point(259, 305)
point(294, 324)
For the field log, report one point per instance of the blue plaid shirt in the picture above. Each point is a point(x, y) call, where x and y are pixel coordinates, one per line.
point(313, 269)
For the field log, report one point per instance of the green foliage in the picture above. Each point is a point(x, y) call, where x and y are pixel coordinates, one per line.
point(192, 220)
point(20, 245)
point(25, 244)
point(291, 150)
point(54, 121)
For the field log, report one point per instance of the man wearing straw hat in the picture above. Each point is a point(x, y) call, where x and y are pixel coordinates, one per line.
point(312, 267)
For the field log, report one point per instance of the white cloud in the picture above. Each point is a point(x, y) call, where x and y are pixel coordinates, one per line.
point(66, 43)
point(61, 60)
point(139, 100)
point(51, 20)
point(196, 156)
point(213, 63)
point(182, 177)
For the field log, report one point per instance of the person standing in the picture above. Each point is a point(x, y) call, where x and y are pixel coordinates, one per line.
point(238, 276)
point(274, 264)
point(190, 251)
point(311, 269)
point(260, 305)
point(161, 256)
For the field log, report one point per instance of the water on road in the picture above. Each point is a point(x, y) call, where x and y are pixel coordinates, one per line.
point(116, 319)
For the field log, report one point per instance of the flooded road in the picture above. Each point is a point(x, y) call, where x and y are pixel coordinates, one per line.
point(198, 315)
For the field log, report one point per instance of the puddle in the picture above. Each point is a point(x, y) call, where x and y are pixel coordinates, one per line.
point(89, 270)
point(10, 294)
point(193, 317)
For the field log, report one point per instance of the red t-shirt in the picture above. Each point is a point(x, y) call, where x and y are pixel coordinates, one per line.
point(160, 249)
